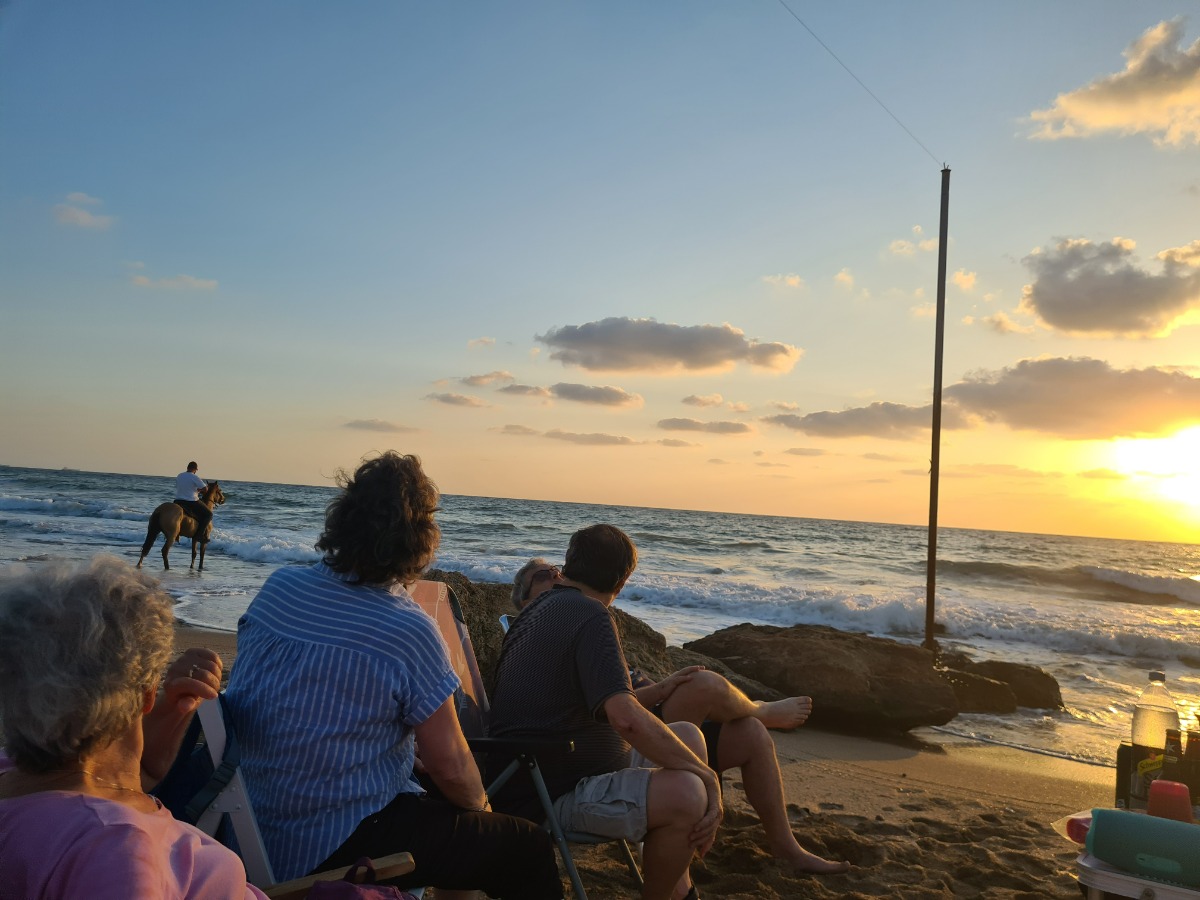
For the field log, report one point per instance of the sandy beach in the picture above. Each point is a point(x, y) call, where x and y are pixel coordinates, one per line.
point(915, 819)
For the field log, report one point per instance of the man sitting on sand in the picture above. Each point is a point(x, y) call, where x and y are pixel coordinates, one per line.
point(734, 727)
point(562, 673)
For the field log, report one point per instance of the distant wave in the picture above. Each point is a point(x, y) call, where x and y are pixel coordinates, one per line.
point(62, 507)
point(1095, 582)
point(1180, 588)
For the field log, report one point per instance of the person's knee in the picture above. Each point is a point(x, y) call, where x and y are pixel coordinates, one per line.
point(691, 735)
point(679, 798)
point(742, 742)
point(713, 684)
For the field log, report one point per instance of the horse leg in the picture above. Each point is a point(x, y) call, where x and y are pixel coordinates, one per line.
point(203, 547)
point(193, 565)
point(171, 537)
point(152, 532)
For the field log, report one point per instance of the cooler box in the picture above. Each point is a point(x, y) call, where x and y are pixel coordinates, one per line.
point(1162, 849)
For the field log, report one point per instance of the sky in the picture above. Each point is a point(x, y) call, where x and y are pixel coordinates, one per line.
point(679, 254)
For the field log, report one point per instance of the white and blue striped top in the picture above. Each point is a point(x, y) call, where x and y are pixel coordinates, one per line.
point(330, 679)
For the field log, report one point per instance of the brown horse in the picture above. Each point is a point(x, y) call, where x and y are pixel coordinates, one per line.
point(174, 523)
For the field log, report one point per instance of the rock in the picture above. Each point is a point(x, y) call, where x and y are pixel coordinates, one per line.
point(1033, 687)
point(856, 681)
point(977, 694)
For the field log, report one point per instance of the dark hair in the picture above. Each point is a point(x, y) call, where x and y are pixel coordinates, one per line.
point(601, 557)
point(192, 465)
point(380, 527)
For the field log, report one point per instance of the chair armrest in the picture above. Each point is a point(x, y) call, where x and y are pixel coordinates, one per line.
point(387, 867)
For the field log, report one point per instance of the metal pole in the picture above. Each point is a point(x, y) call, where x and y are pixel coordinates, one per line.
point(935, 457)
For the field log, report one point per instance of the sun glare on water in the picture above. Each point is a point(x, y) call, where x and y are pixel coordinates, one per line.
point(1169, 466)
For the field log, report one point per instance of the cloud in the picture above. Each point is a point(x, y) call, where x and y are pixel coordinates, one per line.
point(623, 344)
point(605, 395)
point(1085, 288)
point(703, 400)
point(790, 280)
point(786, 406)
point(519, 430)
point(708, 427)
point(524, 390)
point(964, 280)
point(882, 457)
point(737, 407)
point(489, 378)
point(1001, 323)
point(78, 198)
point(675, 442)
point(595, 439)
point(78, 217)
point(719, 462)
point(771, 465)
point(1102, 474)
point(902, 248)
point(1081, 398)
point(885, 420)
point(481, 342)
point(178, 283)
point(844, 279)
point(456, 400)
point(378, 425)
point(805, 451)
point(1157, 94)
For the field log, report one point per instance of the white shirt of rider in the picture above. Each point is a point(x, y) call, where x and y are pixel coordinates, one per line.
point(188, 486)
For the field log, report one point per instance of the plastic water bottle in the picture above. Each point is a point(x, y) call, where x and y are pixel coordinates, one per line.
point(1154, 713)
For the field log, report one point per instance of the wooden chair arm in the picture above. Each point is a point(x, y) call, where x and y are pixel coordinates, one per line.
point(387, 867)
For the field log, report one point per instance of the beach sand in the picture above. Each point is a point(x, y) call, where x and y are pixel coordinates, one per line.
point(916, 819)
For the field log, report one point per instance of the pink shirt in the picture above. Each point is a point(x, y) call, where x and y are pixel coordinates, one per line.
point(60, 844)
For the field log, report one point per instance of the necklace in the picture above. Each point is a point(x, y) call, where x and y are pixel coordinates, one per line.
point(96, 778)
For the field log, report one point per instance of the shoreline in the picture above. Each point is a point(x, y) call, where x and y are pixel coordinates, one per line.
point(915, 818)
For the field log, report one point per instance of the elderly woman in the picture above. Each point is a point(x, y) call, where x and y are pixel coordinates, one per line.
point(82, 651)
point(338, 671)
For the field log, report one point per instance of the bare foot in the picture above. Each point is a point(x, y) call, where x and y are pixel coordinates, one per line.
point(810, 862)
point(784, 714)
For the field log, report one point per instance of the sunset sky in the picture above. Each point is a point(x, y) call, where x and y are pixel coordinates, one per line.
point(665, 254)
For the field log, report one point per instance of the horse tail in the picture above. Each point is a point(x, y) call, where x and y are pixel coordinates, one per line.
point(152, 531)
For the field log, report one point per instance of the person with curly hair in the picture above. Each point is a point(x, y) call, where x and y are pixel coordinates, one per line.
point(92, 716)
point(338, 671)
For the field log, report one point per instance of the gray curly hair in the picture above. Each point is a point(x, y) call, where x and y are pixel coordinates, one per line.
point(79, 647)
point(523, 580)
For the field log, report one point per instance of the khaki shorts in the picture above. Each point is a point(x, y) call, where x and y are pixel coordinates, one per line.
point(612, 805)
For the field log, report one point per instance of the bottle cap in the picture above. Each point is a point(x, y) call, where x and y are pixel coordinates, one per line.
point(1158, 676)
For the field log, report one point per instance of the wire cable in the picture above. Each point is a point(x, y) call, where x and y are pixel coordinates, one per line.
point(882, 105)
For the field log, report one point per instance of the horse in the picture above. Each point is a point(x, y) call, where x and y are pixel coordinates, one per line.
point(174, 523)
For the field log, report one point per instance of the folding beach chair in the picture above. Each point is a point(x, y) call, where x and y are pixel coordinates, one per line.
point(439, 601)
point(223, 808)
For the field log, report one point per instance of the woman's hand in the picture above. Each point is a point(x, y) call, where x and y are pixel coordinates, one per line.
point(190, 680)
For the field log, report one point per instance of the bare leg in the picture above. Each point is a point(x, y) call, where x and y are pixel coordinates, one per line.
point(676, 802)
point(746, 744)
point(710, 696)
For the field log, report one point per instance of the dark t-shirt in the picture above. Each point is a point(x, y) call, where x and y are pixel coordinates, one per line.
point(560, 661)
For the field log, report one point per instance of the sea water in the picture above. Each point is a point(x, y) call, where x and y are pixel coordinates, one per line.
point(1097, 614)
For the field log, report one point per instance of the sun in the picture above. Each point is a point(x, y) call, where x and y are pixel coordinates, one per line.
point(1169, 466)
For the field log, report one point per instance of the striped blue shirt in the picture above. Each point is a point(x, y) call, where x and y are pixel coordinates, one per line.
point(330, 679)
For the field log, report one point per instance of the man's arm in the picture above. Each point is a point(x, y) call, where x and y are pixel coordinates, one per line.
point(655, 741)
point(448, 761)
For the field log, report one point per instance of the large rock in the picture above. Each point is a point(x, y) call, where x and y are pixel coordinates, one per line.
point(856, 681)
point(976, 694)
point(1032, 686)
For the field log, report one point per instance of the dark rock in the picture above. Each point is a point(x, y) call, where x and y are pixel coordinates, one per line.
point(977, 694)
point(856, 681)
point(1033, 687)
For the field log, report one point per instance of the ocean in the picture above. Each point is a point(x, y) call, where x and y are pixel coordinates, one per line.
point(1095, 613)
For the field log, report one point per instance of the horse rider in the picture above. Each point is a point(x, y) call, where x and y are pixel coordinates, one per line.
point(188, 486)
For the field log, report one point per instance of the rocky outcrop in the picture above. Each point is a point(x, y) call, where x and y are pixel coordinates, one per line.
point(976, 694)
point(856, 681)
point(1032, 687)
